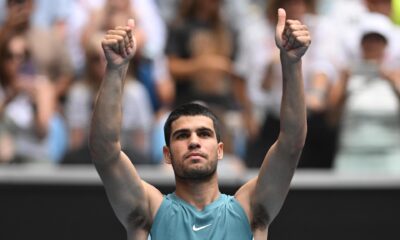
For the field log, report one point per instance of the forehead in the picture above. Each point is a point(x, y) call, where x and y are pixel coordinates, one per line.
point(192, 122)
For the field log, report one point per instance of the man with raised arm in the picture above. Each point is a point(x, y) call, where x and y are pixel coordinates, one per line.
point(197, 209)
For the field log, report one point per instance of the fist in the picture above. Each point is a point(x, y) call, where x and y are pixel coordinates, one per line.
point(119, 44)
point(292, 37)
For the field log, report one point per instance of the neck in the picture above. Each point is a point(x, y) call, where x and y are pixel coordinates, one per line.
point(198, 193)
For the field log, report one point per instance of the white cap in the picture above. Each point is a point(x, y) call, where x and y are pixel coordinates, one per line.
point(376, 23)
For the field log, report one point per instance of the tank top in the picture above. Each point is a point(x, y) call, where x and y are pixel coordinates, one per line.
point(222, 219)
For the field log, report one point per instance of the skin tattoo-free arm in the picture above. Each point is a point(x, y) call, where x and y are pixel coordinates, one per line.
point(263, 197)
point(133, 200)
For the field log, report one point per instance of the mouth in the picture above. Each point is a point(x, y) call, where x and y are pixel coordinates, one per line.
point(195, 155)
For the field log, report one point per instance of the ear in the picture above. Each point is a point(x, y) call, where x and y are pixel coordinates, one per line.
point(220, 150)
point(167, 155)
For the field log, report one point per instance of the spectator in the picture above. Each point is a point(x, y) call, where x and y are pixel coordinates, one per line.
point(365, 103)
point(28, 106)
point(48, 53)
point(265, 84)
point(201, 48)
point(138, 115)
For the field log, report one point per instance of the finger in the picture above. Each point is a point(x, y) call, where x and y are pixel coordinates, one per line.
point(130, 31)
point(296, 27)
point(120, 32)
point(280, 26)
point(116, 43)
point(301, 33)
point(302, 41)
point(109, 43)
point(293, 22)
point(121, 46)
point(131, 23)
point(290, 42)
point(127, 36)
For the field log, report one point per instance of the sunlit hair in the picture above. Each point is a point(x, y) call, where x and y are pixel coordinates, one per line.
point(190, 109)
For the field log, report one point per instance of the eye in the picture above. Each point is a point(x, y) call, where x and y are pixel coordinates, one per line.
point(204, 134)
point(182, 136)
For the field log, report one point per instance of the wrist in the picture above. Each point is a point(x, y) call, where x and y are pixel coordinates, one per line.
point(117, 67)
point(287, 59)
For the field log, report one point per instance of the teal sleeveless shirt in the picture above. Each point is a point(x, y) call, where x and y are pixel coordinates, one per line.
point(222, 219)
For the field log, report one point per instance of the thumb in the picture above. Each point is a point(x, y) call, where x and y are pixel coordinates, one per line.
point(131, 23)
point(280, 26)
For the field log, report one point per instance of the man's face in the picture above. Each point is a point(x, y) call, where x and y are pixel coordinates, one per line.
point(194, 150)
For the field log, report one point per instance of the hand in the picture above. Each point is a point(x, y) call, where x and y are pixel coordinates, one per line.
point(34, 86)
point(291, 37)
point(119, 45)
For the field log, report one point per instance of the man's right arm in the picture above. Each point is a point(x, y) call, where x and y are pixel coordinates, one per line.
point(134, 201)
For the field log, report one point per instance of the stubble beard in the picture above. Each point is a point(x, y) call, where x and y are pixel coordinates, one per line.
point(195, 174)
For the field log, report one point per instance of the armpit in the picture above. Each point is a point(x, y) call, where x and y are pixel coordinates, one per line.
point(138, 218)
point(261, 219)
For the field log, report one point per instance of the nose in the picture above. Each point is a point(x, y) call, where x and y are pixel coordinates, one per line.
point(194, 142)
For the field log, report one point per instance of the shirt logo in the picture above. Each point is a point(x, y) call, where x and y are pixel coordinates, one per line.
point(199, 228)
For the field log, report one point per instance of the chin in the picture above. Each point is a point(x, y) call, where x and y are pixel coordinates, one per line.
point(199, 173)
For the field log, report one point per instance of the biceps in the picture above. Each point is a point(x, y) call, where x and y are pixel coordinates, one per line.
point(273, 183)
point(124, 189)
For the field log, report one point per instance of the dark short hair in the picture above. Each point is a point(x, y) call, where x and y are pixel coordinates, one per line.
point(375, 36)
point(190, 109)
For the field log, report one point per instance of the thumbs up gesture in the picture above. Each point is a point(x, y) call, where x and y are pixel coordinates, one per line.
point(119, 44)
point(291, 37)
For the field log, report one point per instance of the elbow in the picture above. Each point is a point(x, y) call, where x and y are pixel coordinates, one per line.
point(294, 141)
point(299, 141)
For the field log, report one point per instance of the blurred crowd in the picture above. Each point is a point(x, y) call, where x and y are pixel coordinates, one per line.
point(221, 53)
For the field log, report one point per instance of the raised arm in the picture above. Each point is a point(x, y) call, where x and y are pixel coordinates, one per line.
point(263, 197)
point(134, 201)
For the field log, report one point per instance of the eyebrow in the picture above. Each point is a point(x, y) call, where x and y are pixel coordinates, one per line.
point(204, 129)
point(185, 130)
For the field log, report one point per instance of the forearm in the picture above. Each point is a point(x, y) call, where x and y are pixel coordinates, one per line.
point(241, 95)
point(45, 106)
point(293, 108)
point(276, 172)
point(337, 99)
point(105, 129)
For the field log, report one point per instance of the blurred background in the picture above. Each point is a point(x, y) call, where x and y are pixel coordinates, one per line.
point(219, 52)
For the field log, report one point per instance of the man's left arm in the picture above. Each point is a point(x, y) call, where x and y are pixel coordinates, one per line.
point(263, 197)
